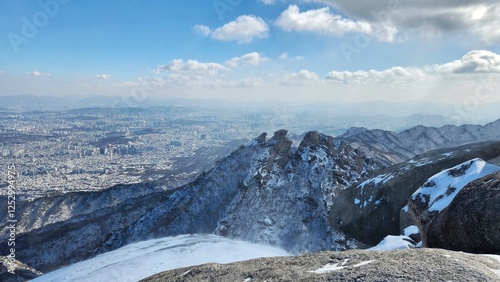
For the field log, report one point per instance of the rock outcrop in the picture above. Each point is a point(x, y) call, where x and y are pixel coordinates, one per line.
point(370, 210)
point(429, 201)
point(68, 228)
point(399, 265)
point(471, 223)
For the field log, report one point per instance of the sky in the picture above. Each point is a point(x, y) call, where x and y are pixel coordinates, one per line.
point(319, 50)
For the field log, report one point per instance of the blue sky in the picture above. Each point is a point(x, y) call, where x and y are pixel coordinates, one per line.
point(255, 49)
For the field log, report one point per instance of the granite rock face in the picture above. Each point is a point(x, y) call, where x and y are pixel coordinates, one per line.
point(471, 223)
point(371, 210)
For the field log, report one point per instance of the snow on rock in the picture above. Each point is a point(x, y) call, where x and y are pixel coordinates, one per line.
point(331, 267)
point(140, 260)
point(383, 178)
point(410, 230)
point(439, 190)
point(394, 243)
point(427, 203)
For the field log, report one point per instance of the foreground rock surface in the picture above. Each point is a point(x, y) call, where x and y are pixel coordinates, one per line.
point(471, 223)
point(358, 265)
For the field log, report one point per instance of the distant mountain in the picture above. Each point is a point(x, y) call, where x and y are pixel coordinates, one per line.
point(417, 140)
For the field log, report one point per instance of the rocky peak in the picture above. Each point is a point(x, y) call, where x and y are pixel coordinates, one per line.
point(279, 135)
point(314, 140)
point(262, 138)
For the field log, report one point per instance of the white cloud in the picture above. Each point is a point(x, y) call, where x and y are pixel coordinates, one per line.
point(103, 76)
point(361, 77)
point(243, 30)
point(202, 30)
point(301, 78)
point(477, 61)
point(478, 18)
point(192, 67)
point(325, 22)
point(285, 56)
point(37, 73)
point(253, 59)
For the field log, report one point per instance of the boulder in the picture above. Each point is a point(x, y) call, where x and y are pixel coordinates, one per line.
point(430, 200)
point(471, 223)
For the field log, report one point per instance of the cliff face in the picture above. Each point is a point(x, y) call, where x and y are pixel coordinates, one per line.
point(287, 195)
point(265, 192)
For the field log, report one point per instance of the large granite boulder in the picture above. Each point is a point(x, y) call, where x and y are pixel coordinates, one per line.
point(471, 223)
point(430, 200)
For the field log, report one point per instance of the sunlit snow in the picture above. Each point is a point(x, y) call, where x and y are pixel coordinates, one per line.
point(442, 188)
point(394, 243)
point(143, 259)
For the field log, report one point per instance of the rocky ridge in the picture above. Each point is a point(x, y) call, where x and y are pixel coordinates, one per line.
point(266, 192)
point(391, 147)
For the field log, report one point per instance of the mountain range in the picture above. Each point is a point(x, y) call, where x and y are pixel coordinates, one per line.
point(325, 193)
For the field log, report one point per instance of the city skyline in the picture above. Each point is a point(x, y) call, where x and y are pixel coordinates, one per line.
point(253, 50)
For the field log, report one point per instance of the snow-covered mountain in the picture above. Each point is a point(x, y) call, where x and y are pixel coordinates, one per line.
point(267, 191)
point(140, 260)
point(321, 194)
point(391, 147)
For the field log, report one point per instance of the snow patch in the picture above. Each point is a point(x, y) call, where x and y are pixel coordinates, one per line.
point(363, 263)
point(442, 188)
point(331, 267)
point(376, 180)
point(394, 243)
point(412, 229)
point(140, 260)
